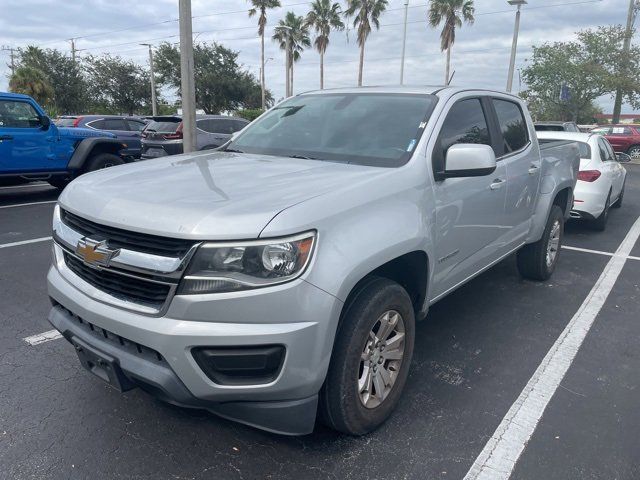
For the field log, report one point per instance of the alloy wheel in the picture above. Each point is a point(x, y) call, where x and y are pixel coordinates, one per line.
point(381, 359)
point(553, 244)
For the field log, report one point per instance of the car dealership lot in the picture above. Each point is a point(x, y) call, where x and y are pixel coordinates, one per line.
point(475, 353)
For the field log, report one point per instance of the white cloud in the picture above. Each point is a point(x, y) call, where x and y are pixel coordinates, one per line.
point(480, 56)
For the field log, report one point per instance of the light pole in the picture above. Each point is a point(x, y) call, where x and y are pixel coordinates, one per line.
point(514, 45)
point(264, 105)
point(154, 102)
point(187, 86)
point(404, 41)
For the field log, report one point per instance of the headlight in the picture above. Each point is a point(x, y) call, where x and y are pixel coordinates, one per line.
point(227, 267)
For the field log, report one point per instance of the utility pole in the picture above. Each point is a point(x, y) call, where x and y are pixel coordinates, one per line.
point(187, 86)
point(404, 41)
point(74, 50)
point(12, 56)
point(514, 44)
point(154, 102)
point(634, 5)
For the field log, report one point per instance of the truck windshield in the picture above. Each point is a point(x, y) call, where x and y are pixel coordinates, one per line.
point(361, 128)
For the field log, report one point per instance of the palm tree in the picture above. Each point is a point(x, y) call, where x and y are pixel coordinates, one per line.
point(452, 13)
point(366, 12)
point(294, 31)
point(323, 17)
point(262, 6)
point(32, 82)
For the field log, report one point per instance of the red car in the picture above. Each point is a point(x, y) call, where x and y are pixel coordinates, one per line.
point(623, 138)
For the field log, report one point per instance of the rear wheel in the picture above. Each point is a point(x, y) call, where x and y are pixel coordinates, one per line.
point(371, 358)
point(537, 261)
point(634, 152)
point(103, 160)
point(618, 202)
point(600, 223)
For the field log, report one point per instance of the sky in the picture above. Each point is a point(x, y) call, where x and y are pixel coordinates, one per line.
point(480, 55)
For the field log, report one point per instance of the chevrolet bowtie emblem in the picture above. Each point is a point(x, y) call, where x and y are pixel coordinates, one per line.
point(95, 252)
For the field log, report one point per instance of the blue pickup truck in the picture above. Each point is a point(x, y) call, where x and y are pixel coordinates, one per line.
point(33, 148)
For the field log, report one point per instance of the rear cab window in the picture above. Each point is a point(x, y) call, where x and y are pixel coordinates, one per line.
point(512, 124)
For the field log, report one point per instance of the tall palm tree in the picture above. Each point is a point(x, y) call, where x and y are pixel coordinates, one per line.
point(294, 31)
point(366, 12)
point(32, 82)
point(323, 17)
point(452, 13)
point(262, 6)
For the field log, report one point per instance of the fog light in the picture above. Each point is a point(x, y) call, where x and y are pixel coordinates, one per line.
point(240, 365)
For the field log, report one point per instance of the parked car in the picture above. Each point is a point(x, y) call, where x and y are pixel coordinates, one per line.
point(163, 135)
point(623, 138)
point(601, 178)
point(33, 148)
point(285, 272)
point(127, 129)
point(556, 127)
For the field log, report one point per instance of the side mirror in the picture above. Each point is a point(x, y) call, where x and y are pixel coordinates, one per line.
point(45, 122)
point(469, 160)
point(623, 157)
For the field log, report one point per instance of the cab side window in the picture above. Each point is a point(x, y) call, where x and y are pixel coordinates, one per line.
point(465, 123)
point(18, 115)
point(512, 125)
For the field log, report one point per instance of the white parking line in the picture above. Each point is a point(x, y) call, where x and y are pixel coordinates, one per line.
point(27, 204)
point(25, 242)
point(501, 453)
point(598, 252)
point(43, 337)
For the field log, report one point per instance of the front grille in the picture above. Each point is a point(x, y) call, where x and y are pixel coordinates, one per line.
point(118, 238)
point(120, 286)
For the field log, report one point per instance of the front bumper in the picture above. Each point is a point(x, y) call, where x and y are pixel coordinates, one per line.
point(297, 315)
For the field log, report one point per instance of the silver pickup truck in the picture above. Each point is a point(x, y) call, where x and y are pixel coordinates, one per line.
point(280, 278)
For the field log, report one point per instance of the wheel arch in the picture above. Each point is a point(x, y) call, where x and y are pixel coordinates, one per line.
point(90, 147)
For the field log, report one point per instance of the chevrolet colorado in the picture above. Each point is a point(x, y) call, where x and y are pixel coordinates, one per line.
point(280, 278)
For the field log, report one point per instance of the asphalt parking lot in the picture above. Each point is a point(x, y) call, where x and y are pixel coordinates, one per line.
point(476, 356)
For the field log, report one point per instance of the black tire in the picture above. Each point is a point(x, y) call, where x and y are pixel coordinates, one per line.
point(600, 223)
point(102, 160)
point(341, 406)
point(634, 152)
point(618, 202)
point(59, 182)
point(532, 258)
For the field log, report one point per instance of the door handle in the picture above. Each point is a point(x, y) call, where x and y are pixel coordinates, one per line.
point(497, 183)
point(533, 169)
point(6, 137)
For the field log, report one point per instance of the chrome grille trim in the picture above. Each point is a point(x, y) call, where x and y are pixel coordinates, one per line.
point(133, 266)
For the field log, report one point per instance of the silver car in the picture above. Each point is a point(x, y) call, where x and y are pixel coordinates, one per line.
point(284, 275)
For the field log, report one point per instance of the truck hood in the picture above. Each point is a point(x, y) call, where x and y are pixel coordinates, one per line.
point(214, 196)
point(81, 133)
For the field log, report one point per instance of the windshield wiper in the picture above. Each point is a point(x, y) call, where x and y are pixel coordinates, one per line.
point(302, 157)
point(233, 150)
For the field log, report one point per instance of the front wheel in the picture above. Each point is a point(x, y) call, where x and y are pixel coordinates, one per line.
point(371, 358)
point(537, 261)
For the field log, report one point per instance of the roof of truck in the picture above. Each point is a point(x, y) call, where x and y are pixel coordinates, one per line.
point(14, 95)
point(410, 89)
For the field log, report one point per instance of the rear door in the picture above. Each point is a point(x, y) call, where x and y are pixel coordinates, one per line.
point(611, 168)
point(522, 163)
point(213, 132)
point(469, 211)
point(133, 135)
point(24, 145)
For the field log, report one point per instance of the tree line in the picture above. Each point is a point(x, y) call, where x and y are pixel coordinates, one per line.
point(563, 79)
point(109, 84)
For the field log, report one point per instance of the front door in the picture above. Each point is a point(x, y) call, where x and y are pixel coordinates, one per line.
point(470, 210)
point(24, 146)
